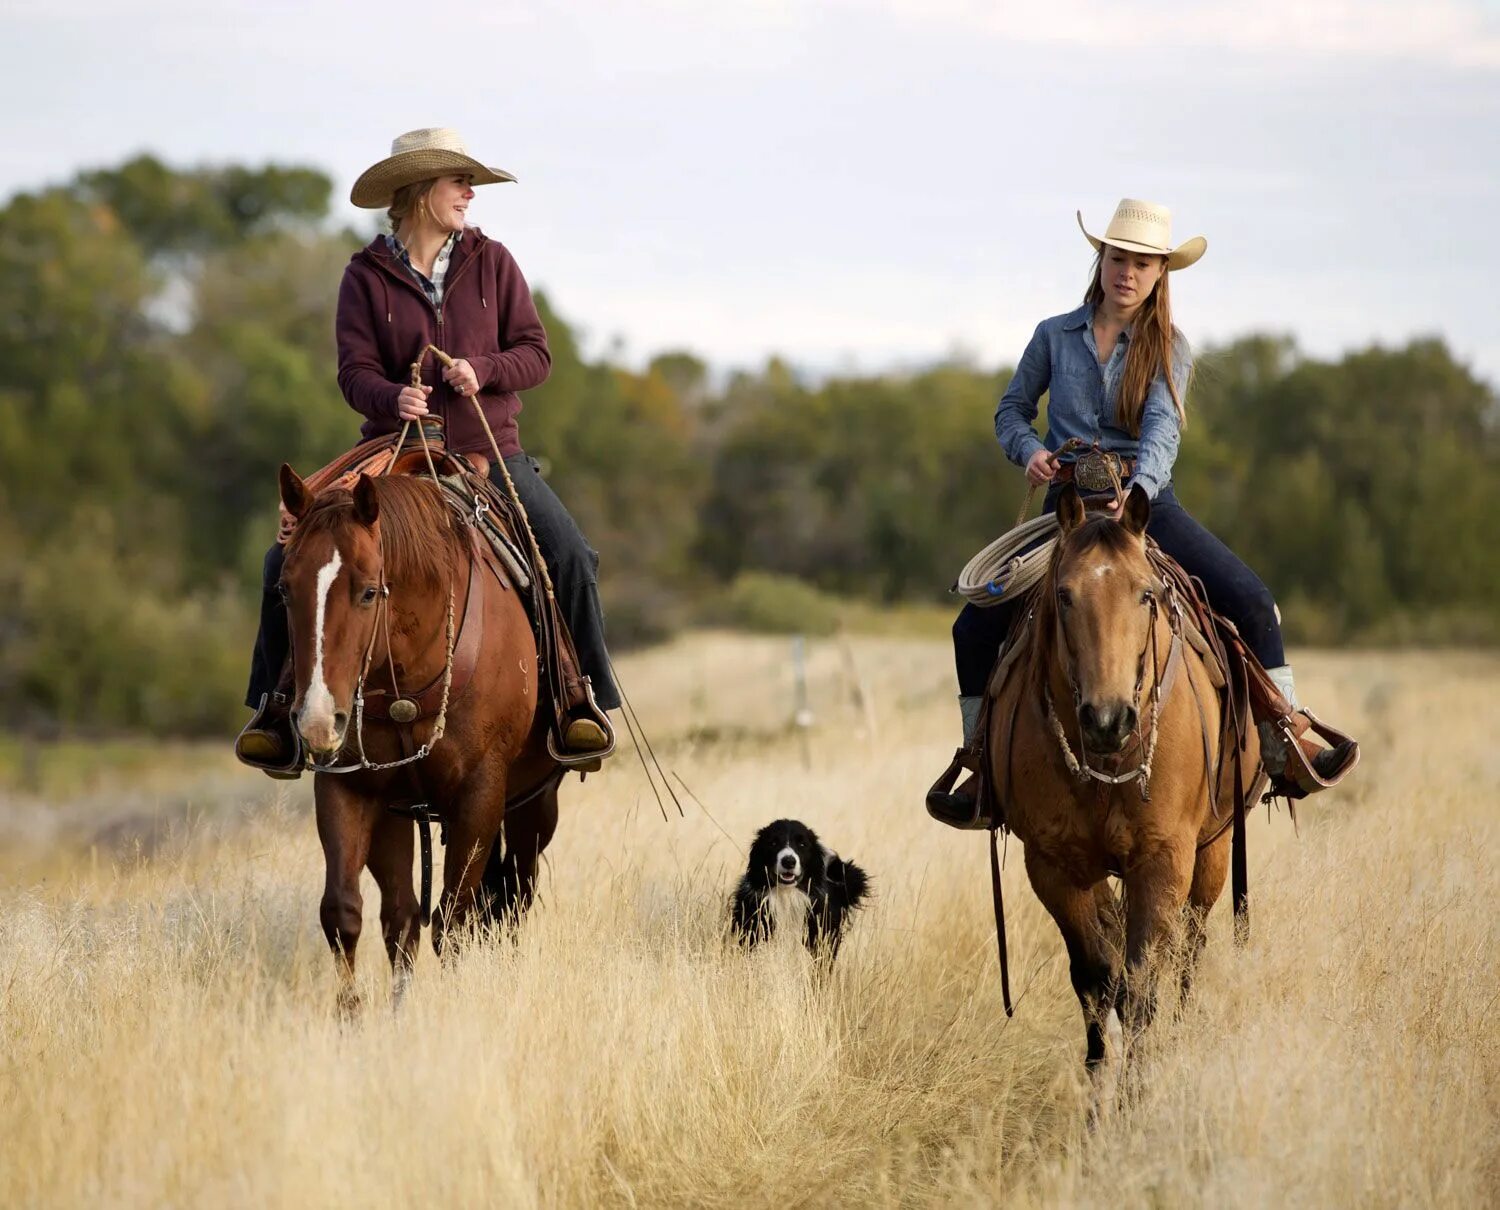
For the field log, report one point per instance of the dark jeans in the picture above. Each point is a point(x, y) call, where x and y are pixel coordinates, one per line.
point(571, 561)
point(1233, 590)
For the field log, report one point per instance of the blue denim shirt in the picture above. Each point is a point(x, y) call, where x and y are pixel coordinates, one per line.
point(1063, 359)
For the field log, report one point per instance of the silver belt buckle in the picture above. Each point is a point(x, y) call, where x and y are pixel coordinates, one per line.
point(1092, 471)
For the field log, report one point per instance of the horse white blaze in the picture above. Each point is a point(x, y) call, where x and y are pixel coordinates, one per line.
point(316, 718)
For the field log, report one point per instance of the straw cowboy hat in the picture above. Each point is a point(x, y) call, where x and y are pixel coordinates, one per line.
point(420, 155)
point(1146, 227)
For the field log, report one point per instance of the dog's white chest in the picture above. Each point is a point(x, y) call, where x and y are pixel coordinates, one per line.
point(788, 907)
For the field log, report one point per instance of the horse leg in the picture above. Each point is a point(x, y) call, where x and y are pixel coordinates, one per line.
point(1156, 889)
point(1209, 872)
point(1093, 963)
point(390, 865)
point(472, 828)
point(510, 882)
point(346, 825)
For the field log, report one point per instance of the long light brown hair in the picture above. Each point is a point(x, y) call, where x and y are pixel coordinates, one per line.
point(1154, 343)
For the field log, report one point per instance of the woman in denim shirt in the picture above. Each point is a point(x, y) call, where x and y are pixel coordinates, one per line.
point(1105, 370)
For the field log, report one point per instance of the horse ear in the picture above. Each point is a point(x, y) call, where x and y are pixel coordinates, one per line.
point(1137, 510)
point(366, 505)
point(1069, 509)
point(294, 493)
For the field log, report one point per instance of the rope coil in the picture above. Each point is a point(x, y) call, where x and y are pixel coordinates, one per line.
point(1005, 569)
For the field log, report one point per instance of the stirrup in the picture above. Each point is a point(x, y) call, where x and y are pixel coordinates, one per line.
point(957, 810)
point(1301, 776)
point(287, 769)
point(588, 737)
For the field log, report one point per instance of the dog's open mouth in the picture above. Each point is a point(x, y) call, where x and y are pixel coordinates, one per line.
point(786, 877)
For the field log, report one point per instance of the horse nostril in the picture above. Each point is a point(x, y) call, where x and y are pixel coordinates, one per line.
point(1127, 721)
point(1088, 717)
point(340, 721)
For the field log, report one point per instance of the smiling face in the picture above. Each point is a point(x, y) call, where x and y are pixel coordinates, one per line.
point(448, 202)
point(1127, 278)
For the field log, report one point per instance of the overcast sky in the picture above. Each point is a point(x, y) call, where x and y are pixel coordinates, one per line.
point(850, 183)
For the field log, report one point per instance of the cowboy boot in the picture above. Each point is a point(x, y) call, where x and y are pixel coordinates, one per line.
point(1296, 762)
point(958, 805)
point(268, 742)
point(582, 725)
point(585, 735)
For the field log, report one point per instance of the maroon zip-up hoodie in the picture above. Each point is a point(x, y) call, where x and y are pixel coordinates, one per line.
point(385, 320)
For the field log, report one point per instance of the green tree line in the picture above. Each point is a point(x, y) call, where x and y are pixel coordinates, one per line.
point(166, 342)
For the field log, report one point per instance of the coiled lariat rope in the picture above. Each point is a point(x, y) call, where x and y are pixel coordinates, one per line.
point(1006, 569)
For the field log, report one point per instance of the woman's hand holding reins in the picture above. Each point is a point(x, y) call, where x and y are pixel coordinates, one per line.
point(411, 404)
point(1041, 468)
point(461, 377)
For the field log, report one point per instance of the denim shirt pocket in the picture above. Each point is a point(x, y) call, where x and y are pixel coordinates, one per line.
point(1076, 391)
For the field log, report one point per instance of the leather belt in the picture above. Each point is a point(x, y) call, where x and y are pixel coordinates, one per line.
point(1068, 473)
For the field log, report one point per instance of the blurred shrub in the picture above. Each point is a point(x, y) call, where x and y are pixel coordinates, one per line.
point(772, 604)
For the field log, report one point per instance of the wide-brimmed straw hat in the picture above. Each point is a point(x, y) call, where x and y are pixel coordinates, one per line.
point(420, 155)
point(1146, 227)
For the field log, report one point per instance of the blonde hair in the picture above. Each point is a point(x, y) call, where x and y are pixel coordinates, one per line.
point(1154, 342)
point(406, 200)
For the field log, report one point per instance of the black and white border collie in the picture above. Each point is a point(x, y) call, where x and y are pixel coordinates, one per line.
point(794, 883)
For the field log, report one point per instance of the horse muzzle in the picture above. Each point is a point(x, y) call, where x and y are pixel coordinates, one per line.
point(322, 733)
point(1107, 726)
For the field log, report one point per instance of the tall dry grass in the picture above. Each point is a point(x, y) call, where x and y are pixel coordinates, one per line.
point(168, 1034)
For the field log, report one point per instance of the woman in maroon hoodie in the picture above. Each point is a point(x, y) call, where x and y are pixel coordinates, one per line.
point(435, 280)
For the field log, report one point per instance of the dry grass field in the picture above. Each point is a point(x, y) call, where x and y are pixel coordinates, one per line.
point(168, 1033)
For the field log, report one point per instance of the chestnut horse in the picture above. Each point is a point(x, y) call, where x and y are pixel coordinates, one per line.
point(1112, 731)
point(376, 583)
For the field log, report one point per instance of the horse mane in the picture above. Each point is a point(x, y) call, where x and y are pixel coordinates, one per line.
point(419, 534)
point(1098, 532)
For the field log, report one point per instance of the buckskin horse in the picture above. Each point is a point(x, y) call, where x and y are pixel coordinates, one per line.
point(387, 585)
point(1105, 730)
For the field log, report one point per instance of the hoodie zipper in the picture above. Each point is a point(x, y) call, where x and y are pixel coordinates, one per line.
point(437, 312)
point(405, 279)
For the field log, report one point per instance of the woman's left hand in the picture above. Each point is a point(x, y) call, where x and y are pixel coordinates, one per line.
point(461, 377)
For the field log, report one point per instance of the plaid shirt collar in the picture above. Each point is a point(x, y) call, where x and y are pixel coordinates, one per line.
point(431, 286)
